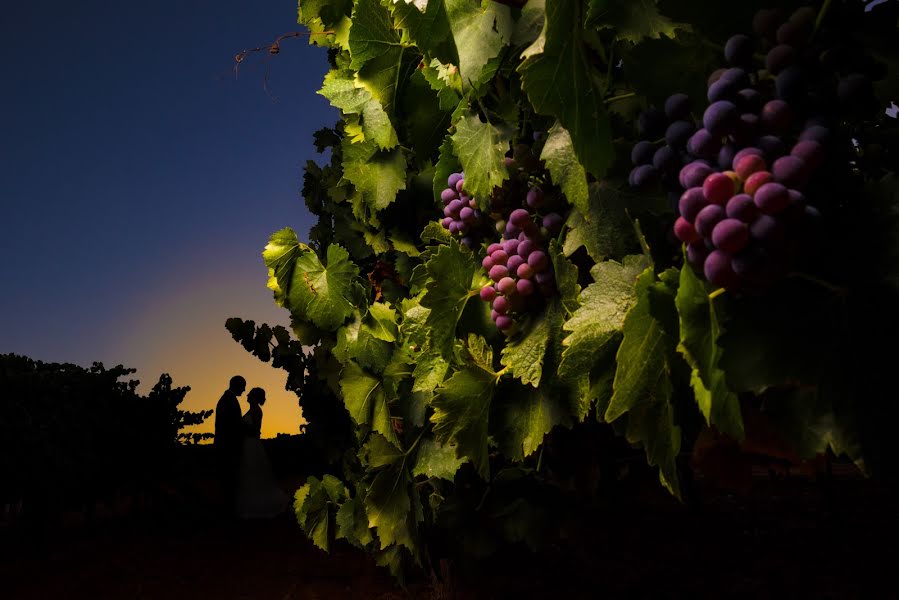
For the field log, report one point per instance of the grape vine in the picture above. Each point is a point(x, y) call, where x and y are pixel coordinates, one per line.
point(531, 229)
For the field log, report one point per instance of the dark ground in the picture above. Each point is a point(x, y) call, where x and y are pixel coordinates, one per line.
point(788, 538)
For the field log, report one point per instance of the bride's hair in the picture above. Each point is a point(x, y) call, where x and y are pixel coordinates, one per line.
point(256, 396)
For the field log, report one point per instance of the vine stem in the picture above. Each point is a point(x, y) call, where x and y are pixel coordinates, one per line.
point(716, 293)
point(619, 97)
point(821, 14)
point(825, 284)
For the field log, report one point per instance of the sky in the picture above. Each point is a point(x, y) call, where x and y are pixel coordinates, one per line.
point(140, 180)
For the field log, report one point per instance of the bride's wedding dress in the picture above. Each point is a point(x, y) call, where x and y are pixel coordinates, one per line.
point(258, 495)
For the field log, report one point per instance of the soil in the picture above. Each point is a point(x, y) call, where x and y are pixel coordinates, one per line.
point(785, 538)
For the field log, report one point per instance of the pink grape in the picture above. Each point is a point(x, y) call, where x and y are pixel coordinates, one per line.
point(755, 181)
point(525, 248)
point(497, 272)
point(446, 222)
point(448, 196)
point(499, 257)
point(538, 261)
point(525, 287)
point(519, 217)
point(493, 314)
point(749, 164)
point(488, 293)
point(487, 262)
point(503, 322)
point(501, 305)
point(506, 286)
point(685, 231)
point(454, 207)
point(467, 214)
point(534, 197)
point(525, 271)
point(718, 188)
point(494, 247)
point(510, 246)
point(459, 185)
point(453, 179)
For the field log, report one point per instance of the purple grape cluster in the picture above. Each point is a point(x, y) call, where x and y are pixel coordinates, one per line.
point(743, 171)
point(461, 216)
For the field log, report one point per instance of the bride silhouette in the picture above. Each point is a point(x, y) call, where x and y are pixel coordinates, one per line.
point(258, 494)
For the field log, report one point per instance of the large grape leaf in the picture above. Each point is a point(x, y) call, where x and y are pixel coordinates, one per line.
point(481, 148)
point(604, 230)
point(525, 352)
point(310, 290)
point(564, 168)
point(312, 506)
point(566, 278)
point(480, 30)
point(561, 82)
point(365, 398)
point(429, 30)
point(341, 90)
point(436, 460)
point(378, 174)
point(642, 386)
point(596, 326)
point(352, 522)
point(461, 411)
point(424, 122)
point(372, 34)
point(327, 21)
point(632, 20)
point(699, 330)
point(355, 342)
point(388, 506)
point(454, 277)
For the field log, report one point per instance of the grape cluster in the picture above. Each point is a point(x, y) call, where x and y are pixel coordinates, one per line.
point(743, 170)
point(519, 264)
point(461, 216)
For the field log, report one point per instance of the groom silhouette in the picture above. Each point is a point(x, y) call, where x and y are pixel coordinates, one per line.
point(229, 434)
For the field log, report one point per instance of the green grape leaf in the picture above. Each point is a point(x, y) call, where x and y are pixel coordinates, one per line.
point(632, 20)
point(352, 523)
point(529, 25)
point(365, 398)
point(481, 148)
point(480, 30)
point(566, 278)
point(429, 29)
point(381, 322)
point(388, 507)
point(525, 352)
point(564, 168)
point(309, 289)
point(642, 385)
point(604, 230)
point(448, 86)
point(561, 82)
point(597, 325)
point(379, 452)
point(372, 34)
point(454, 278)
point(699, 331)
point(312, 504)
point(435, 460)
point(425, 122)
point(378, 174)
point(461, 410)
point(341, 90)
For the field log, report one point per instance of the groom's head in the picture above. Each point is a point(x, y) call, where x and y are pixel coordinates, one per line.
point(237, 385)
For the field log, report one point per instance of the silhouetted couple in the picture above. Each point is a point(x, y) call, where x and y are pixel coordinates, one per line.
point(249, 489)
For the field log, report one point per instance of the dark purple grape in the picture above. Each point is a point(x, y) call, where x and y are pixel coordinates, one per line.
point(504, 322)
point(777, 116)
point(534, 198)
point(447, 196)
point(791, 171)
point(510, 247)
point(525, 248)
point(738, 50)
point(553, 223)
point(703, 144)
point(467, 214)
point(446, 222)
point(519, 217)
point(524, 287)
point(455, 228)
point(715, 76)
point(651, 123)
point(772, 146)
point(768, 231)
point(792, 33)
point(717, 269)
point(749, 100)
point(810, 152)
point(817, 133)
point(643, 175)
point(678, 133)
point(726, 156)
point(694, 174)
point(707, 218)
point(771, 198)
point(696, 254)
point(497, 272)
point(453, 179)
point(691, 202)
point(742, 207)
point(790, 84)
point(513, 263)
point(730, 235)
point(506, 286)
point(720, 117)
point(750, 150)
point(538, 260)
point(488, 293)
point(512, 230)
point(737, 76)
point(766, 21)
point(525, 271)
point(665, 159)
point(677, 106)
point(779, 58)
point(722, 89)
point(454, 207)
